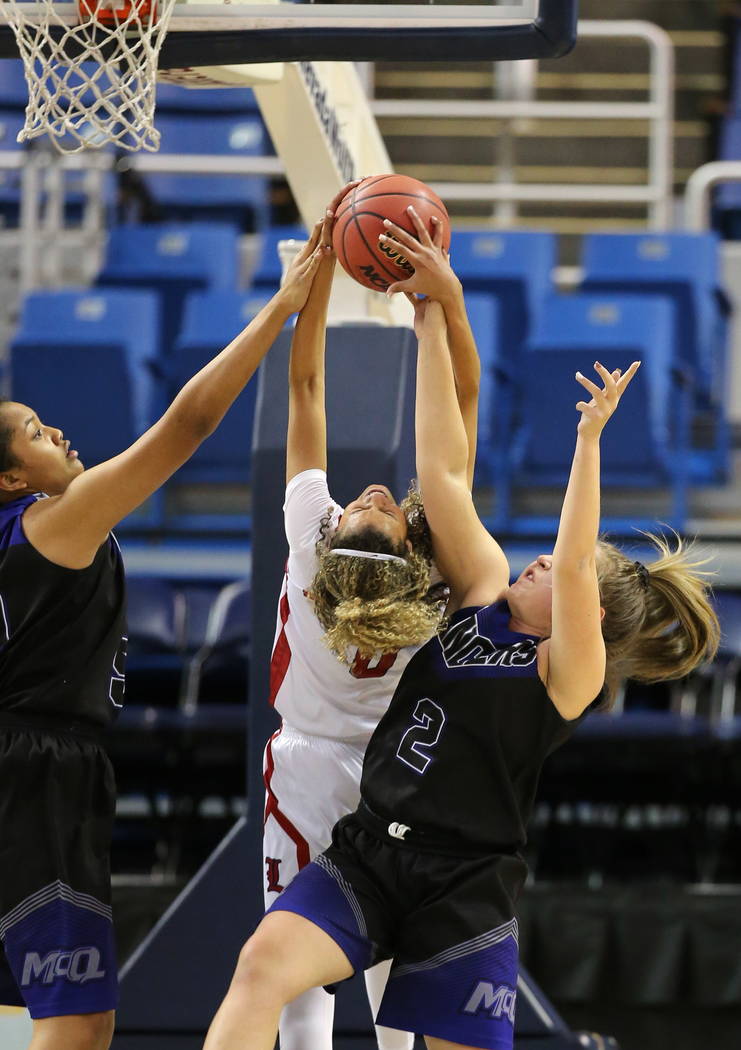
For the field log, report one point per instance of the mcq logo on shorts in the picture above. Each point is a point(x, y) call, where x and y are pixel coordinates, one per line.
point(78, 966)
point(496, 1002)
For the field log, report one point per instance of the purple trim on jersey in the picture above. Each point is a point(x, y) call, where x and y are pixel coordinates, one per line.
point(11, 529)
point(466, 994)
point(322, 898)
point(60, 947)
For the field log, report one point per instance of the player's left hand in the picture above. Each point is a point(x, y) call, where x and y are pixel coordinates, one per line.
point(433, 275)
point(301, 271)
point(595, 413)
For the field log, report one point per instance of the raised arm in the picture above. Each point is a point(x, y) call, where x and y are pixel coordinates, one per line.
point(69, 528)
point(306, 442)
point(434, 277)
point(469, 559)
point(574, 657)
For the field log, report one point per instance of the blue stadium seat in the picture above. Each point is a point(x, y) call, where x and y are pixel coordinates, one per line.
point(155, 619)
point(685, 266)
point(216, 677)
point(85, 360)
point(173, 98)
point(241, 199)
point(496, 389)
point(211, 322)
point(267, 273)
point(516, 267)
point(645, 444)
point(13, 86)
point(173, 260)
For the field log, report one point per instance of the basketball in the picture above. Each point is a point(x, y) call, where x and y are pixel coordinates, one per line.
point(359, 222)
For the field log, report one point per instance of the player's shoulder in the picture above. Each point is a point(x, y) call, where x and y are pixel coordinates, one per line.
point(313, 480)
point(11, 518)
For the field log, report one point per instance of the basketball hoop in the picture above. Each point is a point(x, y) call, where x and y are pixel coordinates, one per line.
point(90, 68)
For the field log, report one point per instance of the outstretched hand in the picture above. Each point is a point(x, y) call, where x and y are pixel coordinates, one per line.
point(330, 213)
point(433, 275)
point(595, 413)
point(302, 269)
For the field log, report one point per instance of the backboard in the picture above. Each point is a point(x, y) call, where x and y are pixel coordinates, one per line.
point(230, 33)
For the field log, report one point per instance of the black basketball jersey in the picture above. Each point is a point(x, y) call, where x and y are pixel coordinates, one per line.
point(62, 631)
point(459, 751)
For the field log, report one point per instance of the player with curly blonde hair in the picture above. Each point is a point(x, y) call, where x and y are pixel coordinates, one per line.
point(359, 597)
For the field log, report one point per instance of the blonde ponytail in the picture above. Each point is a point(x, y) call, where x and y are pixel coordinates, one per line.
point(659, 623)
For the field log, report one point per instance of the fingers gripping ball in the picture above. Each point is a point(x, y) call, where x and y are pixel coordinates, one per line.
point(359, 222)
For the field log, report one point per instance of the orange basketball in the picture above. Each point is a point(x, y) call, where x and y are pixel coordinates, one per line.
point(359, 223)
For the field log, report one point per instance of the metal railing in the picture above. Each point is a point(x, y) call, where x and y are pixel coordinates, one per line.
point(656, 193)
point(697, 194)
point(43, 238)
point(42, 235)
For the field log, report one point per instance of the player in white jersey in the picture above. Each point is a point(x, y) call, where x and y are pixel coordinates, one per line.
point(360, 577)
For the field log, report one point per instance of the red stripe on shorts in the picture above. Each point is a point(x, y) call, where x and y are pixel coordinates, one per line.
point(272, 808)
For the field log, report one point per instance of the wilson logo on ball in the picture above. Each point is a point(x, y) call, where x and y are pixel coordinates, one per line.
point(394, 254)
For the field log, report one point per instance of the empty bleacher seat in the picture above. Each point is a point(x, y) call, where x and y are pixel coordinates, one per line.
point(495, 393)
point(178, 99)
point(173, 260)
point(268, 270)
point(13, 86)
point(216, 679)
point(645, 443)
point(85, 361)
point(514, 266)
point(241, 199)
point(155, 623)
point(685, 266)
point(212, 320)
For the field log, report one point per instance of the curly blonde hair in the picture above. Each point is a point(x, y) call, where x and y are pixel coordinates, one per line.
point(659, 623)
point(377, 606)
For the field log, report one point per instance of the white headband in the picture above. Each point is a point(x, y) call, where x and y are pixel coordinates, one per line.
point(367, 554)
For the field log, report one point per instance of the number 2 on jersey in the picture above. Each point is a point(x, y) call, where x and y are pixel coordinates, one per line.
point(422, 736)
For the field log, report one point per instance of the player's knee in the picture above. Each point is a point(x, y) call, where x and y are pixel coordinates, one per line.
point(259, 968)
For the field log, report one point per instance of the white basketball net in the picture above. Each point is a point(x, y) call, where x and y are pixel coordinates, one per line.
point(91, 69)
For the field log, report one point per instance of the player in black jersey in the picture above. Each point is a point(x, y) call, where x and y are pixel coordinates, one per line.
point(427, 870)
point(62, 650)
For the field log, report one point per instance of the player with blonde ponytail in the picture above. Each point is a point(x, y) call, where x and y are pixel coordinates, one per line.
point(359, 597)
point(427, 870)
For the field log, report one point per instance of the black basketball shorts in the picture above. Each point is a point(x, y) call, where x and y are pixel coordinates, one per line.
point(57, 803)
point(446, 921)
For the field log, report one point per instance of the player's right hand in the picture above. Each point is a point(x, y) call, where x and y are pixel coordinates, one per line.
point(595, 413)
point(331, 211)
point(433, 275)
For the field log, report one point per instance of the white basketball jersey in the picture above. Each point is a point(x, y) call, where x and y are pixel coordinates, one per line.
point(311, 689)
